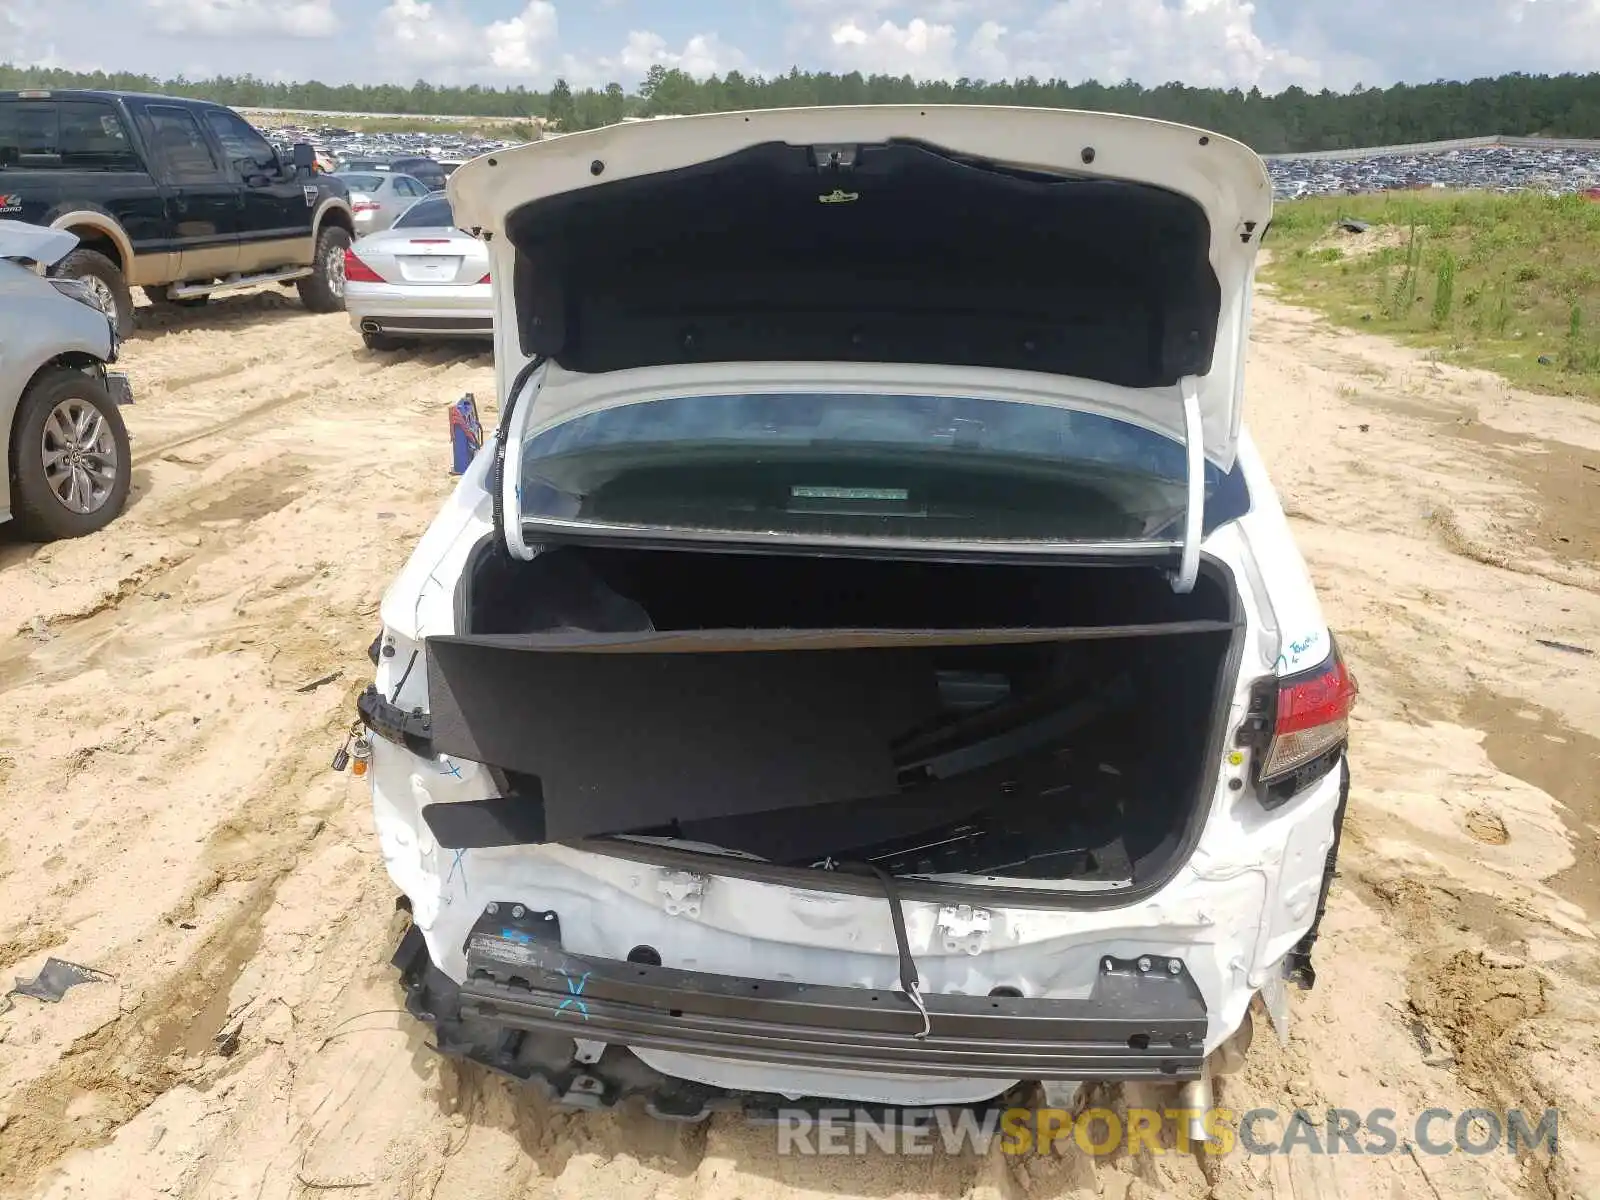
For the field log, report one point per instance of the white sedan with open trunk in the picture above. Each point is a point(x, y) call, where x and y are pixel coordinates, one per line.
point(869, 660)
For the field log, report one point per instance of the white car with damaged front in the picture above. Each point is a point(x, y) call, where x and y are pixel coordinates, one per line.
point(869, 660)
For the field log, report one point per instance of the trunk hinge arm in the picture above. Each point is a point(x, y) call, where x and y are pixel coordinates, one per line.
point(505, 494)
point(1194, 511)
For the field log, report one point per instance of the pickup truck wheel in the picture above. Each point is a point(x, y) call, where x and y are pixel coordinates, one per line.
point(323, 290)
point(105, 283)
point(70, 462)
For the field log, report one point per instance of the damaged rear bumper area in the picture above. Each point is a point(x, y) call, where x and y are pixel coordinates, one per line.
point(533, 1010)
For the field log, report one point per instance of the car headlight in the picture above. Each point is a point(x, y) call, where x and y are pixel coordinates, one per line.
point(77, 289)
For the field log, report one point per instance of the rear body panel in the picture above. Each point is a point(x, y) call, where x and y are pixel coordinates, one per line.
point(422, 309)
point(1240, 901)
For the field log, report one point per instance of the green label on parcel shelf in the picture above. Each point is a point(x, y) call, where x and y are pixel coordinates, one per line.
point(844, 493)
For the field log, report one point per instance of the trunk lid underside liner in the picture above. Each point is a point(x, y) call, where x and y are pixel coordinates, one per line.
point(1135, 1023)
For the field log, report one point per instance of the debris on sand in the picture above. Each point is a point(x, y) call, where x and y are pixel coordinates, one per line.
point(1567, 646)
point(55, 978)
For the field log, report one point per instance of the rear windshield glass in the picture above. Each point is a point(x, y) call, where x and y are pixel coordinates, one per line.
point(361, 182)
point(433, 213)
point(68, 134)
point(899, 467)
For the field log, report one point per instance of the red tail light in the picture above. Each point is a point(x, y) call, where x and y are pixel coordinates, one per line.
point(485, 278)
point(1312, 717)
point(356, 271)
point(362, 206)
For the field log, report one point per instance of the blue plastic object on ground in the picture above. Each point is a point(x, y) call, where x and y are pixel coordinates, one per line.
point(466, 433)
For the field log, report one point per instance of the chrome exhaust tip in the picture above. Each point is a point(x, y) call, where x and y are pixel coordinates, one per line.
point(370, 326)
point(1195, 1098)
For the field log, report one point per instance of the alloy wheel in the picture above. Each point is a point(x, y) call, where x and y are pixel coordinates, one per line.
point(80, 455)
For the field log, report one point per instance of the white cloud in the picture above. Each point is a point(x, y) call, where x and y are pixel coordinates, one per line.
point(515, 44)
point(1267, 43)
point(919, 48)
point(1379, 42)
point(1204, 43)
point(422, 34)
point(439, 38)
point(987, 53)
point(235, 18)
point(1201, 42)
point(702, 55)
point(25, 38)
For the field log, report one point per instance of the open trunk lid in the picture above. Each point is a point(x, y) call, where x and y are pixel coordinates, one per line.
point(1080, 261)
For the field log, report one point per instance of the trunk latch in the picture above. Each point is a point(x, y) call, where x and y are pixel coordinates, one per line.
point(964, 928)
point(681, 893)
point(833, 158)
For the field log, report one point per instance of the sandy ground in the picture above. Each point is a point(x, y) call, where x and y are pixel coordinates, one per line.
point(169, 817)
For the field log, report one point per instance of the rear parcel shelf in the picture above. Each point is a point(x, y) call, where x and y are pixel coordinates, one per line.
point(727, 723)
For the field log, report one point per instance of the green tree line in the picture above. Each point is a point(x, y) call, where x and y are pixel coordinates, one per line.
point(1294, 119)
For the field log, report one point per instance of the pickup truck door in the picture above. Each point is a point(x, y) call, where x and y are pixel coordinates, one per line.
point(73, 163)
point(203, 199)
point(276, 226)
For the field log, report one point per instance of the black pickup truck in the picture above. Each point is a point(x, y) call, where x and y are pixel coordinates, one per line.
point(181, 197)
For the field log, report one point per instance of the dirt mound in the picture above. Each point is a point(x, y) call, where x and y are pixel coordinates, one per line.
point(1477, 999)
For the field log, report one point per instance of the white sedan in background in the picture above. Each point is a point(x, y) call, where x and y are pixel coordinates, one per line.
point(379, 198)
point(421, 278)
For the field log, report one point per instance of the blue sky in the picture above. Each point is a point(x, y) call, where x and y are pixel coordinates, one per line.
point(1266, 43)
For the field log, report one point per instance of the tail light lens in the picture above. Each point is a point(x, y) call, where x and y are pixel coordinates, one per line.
point(485, 278)
point(356, 271)
point(1311, 717)
point(363, 204)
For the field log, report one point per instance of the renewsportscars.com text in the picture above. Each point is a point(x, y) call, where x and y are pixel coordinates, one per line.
point(1100, 1131)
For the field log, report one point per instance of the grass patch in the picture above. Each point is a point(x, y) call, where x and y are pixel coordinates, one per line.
point(1506, 282)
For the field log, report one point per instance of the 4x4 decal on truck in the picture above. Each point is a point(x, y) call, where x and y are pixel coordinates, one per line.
point(10, 203)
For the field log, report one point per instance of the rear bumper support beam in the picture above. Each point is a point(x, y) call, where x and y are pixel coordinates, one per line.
point(1143, 1019)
